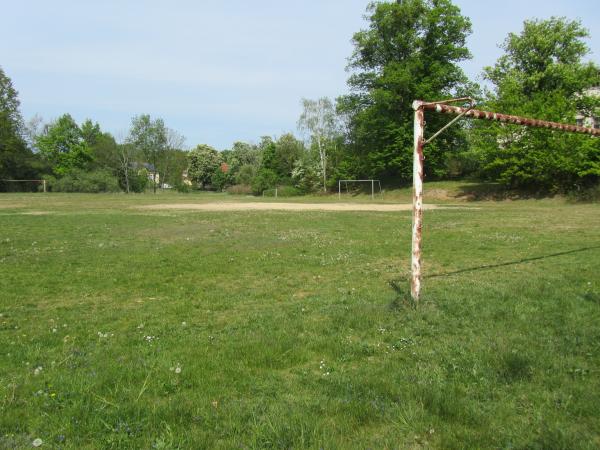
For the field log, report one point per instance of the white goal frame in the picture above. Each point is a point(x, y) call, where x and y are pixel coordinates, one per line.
point(359, 181)
point(420, 141)
point(39, 181)
point(275, 190)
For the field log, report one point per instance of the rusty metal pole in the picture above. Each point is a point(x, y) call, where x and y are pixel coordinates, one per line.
point(417, 222)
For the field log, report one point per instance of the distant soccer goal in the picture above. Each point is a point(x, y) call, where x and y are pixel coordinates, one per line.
point(270, 193)
point(375, 186)
point(23, 185)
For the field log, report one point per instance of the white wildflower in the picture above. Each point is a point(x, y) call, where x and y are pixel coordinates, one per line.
point(37, 370)
point(37, 442)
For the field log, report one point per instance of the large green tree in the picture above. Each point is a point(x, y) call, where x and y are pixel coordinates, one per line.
point(150, 138)
point(63, 146)
point(204, 160)
point(16, 159)
point(410, 50)
point(542, 74)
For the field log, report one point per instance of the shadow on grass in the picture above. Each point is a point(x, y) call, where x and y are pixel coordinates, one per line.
point(496, 191)
point(403, 299)
point(511, 263)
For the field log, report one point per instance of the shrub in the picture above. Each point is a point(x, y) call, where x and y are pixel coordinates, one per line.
point(137, 181)
point(245, 174)
point(239, 189)
point(288, 191)
point(588, 194)
point(80, 181)
point(183, 188)
point(220, 179)
point(264, 179)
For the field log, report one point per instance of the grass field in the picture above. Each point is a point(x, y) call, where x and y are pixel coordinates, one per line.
point(130, 328)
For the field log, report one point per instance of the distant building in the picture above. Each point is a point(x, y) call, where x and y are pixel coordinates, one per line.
point(150, 170)
point(586, 118)
point(186, 179)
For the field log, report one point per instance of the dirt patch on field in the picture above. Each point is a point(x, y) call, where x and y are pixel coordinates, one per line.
point(256, 206)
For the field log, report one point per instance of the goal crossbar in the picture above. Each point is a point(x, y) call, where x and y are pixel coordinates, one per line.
point(443, 107)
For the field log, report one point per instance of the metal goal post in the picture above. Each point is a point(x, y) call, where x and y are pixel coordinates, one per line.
point(274, 191)
point(373, 182)
point(420, 107)
point(30, 181)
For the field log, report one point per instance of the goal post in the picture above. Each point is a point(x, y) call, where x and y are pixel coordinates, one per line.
point(443, 107)
point(266, 192)
point(373, 183)
point(9, 182)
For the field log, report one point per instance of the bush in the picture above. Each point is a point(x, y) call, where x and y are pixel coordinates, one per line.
point(137, 181)
point(183, 188)
point(80, 181)
point(264, 179)
point(288, 191)
point(220, 180)
point(245, 174)
point(239, 189)
point(589, 194)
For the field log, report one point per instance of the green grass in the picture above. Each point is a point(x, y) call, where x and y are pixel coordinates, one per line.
point(294, 329)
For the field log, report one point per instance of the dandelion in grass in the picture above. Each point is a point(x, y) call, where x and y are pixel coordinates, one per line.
point(38, 370)
point(176, 369)
point(183, 324)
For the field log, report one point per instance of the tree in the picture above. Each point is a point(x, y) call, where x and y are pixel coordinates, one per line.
point(33, 128)
point(63, 146)
point(16, 160)
point(90, 132)
point(9, 101)
point(319, 119)
point(288, 150)
point(542, 75)
point(410, 50)
point(203, 162)
point(173, 157)
point(149, 137)
point(264, 179)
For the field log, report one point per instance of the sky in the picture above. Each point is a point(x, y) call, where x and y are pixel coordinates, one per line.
point(215, 71)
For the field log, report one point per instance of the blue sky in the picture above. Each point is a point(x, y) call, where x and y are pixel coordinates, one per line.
point(216, 71)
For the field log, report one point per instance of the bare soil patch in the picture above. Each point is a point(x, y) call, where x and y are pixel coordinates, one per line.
point(257, 206)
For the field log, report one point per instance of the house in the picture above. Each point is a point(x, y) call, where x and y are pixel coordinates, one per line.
point(186, 178)
point(588, 118)
point(150, 170)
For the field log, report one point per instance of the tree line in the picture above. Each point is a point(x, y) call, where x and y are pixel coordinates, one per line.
point(409, 50)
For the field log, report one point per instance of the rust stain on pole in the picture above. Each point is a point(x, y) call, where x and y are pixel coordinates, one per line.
point(417, 223)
